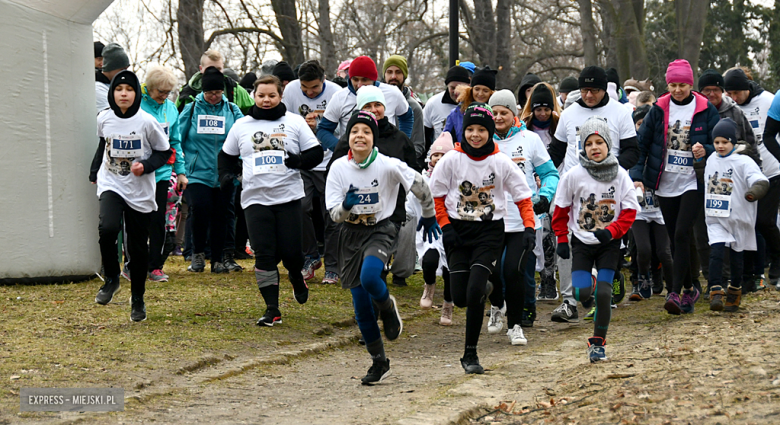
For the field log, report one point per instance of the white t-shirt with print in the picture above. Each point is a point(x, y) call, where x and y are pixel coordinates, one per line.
point(526, 150)
point(730, 217)
point(651, 210)
point(262, 145)
point(129, 140)
point(435, 113)
point(297, 102)
point(678, 176)
point(756, 112)
point(343, 103)
point(621, 126)
point(475, 190)
point(594, 204)
point(377, 187)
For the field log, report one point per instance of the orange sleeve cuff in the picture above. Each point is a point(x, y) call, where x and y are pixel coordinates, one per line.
point(526, 207)
point(441, 211)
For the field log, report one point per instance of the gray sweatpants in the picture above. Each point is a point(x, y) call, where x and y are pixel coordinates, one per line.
point(405, 255)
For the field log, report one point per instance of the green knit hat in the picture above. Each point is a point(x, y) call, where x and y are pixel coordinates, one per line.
point(398, 61)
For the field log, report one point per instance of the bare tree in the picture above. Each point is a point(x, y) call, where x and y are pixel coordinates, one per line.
point(287, 20)
point(690, 16)
point(189, 18)
point(588, 29)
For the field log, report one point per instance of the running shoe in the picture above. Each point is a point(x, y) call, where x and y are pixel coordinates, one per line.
point(330, 278)
point(516, 336)
point(496, 321)
point(716, 298)
point(125, 272)
point(177, 251)
point(309, 266)
point(426, 302)
point(377, 372)
point(688, 300)
point(672, 305)
point(106, 293)
point(635, 295)
point(198, 263)
point(391, 320)
point(230, 262)
point(596, 351)
point(548, 291)
point(645, 287)
point(760, 285)
point(733, 299)
point(565, 313)
point(157, 275)
point(138, 309)
point(219, 268)
point(270, 317)
point(470, 363)
point(446, 314)
point(591, 313)
point(300, 288)
point(528, 316)
point(618, 288)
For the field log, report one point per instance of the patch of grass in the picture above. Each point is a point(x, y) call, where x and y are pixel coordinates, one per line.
point(56, 336)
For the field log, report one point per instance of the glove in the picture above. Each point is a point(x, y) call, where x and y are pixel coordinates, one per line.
point(292, 160)
point(529, 239)
point(757, 191)
point(226, 181)
point(430, 228)
point(451, 237)
point(351, 199)
point(603, 235)
point(563, 250)
point(542, 206)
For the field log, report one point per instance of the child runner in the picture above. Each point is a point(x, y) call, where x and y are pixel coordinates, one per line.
point(132, 146)
point(274, 145)
point(734, 184)
point(468, 185)
point(361, 191)
point(596, 201)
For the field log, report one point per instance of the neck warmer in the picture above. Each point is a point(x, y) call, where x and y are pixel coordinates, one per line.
point(446, 98)
point(482, 152)
point(541, 124)
point(366, 162)
point(603, 171)
point(685, 101)
point(129, 78)
point(272, 114)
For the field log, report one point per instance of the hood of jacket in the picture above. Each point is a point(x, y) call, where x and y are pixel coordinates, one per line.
point(755, 90)
point(125, 77)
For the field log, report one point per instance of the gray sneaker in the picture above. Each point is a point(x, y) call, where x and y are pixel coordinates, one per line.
point(198, 263)
point(565, 313)
point(108, 290)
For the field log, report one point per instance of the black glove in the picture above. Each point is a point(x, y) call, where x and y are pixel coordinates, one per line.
point(293, 160)
point(603, 235)
point(542, 206)
point(451, 239)
point(226, 181)
point(563, 250)
point(529, 239)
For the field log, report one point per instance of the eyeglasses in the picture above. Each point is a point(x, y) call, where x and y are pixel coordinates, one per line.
point(213, 93)
point(707, 91)
point(164, 92)
point(590, 91)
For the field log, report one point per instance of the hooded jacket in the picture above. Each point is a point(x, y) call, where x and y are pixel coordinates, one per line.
point(529, 80)
point(653, 134)
point(234, 92)
point(201, 150)
point(418, 129)
point(165, 114)
point(729, 109)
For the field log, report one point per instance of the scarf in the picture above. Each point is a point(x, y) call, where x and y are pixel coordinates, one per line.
point(603, 171)
point(484, 151)
point(366, 162)
point(272, 114)
point(541, 124)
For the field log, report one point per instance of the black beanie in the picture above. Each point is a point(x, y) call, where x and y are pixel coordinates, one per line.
point(612, 76)
point(710, 78)
point(593, 77)
point(541, 96)
point(485, 77)
point(479, 113)
point(727, 129)
point(736, 80)
point(248, 81)
point(129, 78)
point(212, 80)
point(99, 49)
point(458, 73)
point(640, 113)
point(283, 71)
point(364, 117)
point(568, 85)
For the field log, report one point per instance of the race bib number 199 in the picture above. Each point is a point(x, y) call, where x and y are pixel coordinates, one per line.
point(211, 124)
point(717, 205)
point(369, 201)
point(126, 146)
point(269, 162)
point(679, 161)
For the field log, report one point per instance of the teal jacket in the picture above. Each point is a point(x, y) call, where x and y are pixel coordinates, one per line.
point(201, 150)
point(165, 113)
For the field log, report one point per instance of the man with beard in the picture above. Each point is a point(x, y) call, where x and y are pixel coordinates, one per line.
point(396, 72)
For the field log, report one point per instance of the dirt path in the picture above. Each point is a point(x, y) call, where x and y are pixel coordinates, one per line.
point(705, 368)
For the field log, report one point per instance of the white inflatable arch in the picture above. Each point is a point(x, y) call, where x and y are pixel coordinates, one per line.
point(48, 208)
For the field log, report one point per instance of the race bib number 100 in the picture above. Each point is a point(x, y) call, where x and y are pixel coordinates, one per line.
point(679, 161)
point(717, 205)
point(126, 146)
point(211, 124)
point(269, 162)
point(369, 201)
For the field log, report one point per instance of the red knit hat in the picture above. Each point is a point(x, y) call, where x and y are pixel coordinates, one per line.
point(363, 66)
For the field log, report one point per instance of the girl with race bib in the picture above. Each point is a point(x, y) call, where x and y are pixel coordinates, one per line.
point(734, 183)
point(675, 135)
point(361, 192)
point(132, 146)
point(273, 144)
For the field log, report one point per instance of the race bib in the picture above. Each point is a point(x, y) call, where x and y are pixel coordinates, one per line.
point(650, 205)
point(679, 161)
point(126, 146)
point(211, 124)
point(269, 162)
point(717, 205)
point(368, 201)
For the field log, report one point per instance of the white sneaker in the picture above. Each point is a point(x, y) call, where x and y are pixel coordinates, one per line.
point(516, 336)
point(446, 314)
point(426, 302)
point(496, 321)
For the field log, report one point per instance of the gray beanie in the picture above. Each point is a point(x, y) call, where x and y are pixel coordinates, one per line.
point(114, 57)
point(504, 98)
point(596, 125)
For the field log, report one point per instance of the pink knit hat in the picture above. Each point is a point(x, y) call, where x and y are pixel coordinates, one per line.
point(443, 143)
point(679, 71)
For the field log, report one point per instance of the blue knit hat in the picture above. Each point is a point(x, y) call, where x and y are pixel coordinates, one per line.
point(368, 94)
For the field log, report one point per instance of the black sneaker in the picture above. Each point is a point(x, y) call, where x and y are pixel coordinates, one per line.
point(377, 372)
point(230, 262)
point(108, 290)
point(271, 317)
point(565, 313)
point(219, 267)
point(528, 316)
point(138, 311)
point(399, 281)
point(391, 320)
point(470, 363)
point(198, 263)
point(300, 289)
point(618, 288)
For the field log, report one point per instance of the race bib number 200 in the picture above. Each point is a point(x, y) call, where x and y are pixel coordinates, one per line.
point(679, 161)
point(717, 205)
point(269, 162)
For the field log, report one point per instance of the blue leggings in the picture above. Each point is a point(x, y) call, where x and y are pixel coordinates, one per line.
point(372, 287)
point(582, 280)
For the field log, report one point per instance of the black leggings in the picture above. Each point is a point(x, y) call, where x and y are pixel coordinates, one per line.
point(679, 214)
point(644, 248)
point(113, 209)
point(766, 225)
point(430, 263)
point(157, 254)
point(513, 277)
point(275, 234)
point(209, 211)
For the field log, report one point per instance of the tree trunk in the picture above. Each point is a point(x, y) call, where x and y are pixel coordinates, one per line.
point(328, 58)
point(588, 33)
point(483, 32)
point(774, 43)
point(632, 57)
point(191, 43)
point(287, 19)
point(690, 16)
point(503, 46)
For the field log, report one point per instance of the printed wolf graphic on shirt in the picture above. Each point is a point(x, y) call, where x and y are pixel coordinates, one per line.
point(263, 141)
point(364, 219)
point(596, 214)
point(720, 185)
point(118, 166)
point(476, 203)
point(318, 110)
point(517, 158)
point(677, 136)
